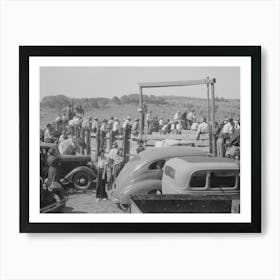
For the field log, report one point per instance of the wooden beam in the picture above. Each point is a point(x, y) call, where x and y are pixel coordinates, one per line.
point(213, 120)
point(177, 83)
point(141, 110)
point(209, 118)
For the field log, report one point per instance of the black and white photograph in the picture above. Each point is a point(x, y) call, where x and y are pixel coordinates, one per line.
point(140, 139)
point(155, 135)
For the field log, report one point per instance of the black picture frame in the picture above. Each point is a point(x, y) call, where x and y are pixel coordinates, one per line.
point(254, 52)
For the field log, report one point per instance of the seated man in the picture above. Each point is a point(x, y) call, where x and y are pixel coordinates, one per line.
point(135, 128)
point(67, 146)
point(48, 134)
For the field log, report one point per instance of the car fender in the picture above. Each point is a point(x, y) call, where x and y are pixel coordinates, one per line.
point(86, 169)
point(141, 187)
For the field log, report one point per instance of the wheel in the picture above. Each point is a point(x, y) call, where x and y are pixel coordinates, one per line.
point(56, 197)
point(123, 207)
point(82, 181)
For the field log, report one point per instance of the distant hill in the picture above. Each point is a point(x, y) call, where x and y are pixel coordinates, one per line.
point(127, 105)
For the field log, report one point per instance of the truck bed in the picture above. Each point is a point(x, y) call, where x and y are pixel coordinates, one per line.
point(167, 203)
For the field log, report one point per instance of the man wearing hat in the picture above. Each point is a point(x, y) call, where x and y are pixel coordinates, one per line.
point(115, 128)
point(94, 125)
point(113, 152)
point(48, 134)
point(135, 128)
point(228, 127)
point(111, 158)
point(127, 122)
point(202, 128)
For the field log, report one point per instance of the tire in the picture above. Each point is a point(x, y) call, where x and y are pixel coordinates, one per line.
point(123, 207)
point(81, 181)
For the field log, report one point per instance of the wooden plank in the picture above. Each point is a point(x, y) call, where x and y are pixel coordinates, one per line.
point(177, 83)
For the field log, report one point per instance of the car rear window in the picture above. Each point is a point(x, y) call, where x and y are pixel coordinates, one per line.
point(223, 179)
point(198, 179)
point(169, 171)
point(157, 165)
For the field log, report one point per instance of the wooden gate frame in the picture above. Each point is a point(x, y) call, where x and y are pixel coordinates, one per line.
point(208, 82)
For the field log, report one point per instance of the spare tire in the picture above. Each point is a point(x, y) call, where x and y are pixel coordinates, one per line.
point(82, 180)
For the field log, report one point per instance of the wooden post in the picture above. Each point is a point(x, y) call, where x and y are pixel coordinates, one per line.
point(213, 119)
point(141, 109)
point(78, 137)
point(110, 140)
point(209, 118)
point(97, 144)
point(87, 141)
point(126, 144)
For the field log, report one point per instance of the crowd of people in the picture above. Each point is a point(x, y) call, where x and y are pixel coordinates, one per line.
point(180, 122)
point(68, 135)
point(71, 127)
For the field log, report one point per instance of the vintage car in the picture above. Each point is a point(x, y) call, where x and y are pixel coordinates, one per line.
point(74, 169)
point(52, 198)
point(203, 176)
point(143, 173)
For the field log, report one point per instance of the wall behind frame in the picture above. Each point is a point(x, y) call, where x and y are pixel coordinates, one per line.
point(123, 256)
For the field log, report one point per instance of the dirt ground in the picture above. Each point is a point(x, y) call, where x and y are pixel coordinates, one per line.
point(85, 202)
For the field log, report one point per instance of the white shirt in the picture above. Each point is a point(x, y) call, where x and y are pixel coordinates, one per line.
point(178, 126)
point(177, 116)
point(67, 146)
point(103, 127)
point(115, 125)
point(125, 123)
point(86, 123)
point(77, 121)
point(94, 124)
point(101, 163)
point(190, 116)
point(203, 127)
point(227, 128)
point(194, 126)
point(113, 153)
point(160, 122)
point(71, 122)
point(164, 127)
point(47, 135)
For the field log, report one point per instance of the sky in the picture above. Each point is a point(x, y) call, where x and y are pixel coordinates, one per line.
point(88, 82)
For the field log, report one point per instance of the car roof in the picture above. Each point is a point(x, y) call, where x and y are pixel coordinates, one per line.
point(153, 153)
point(200, 163)
point(206, 159)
